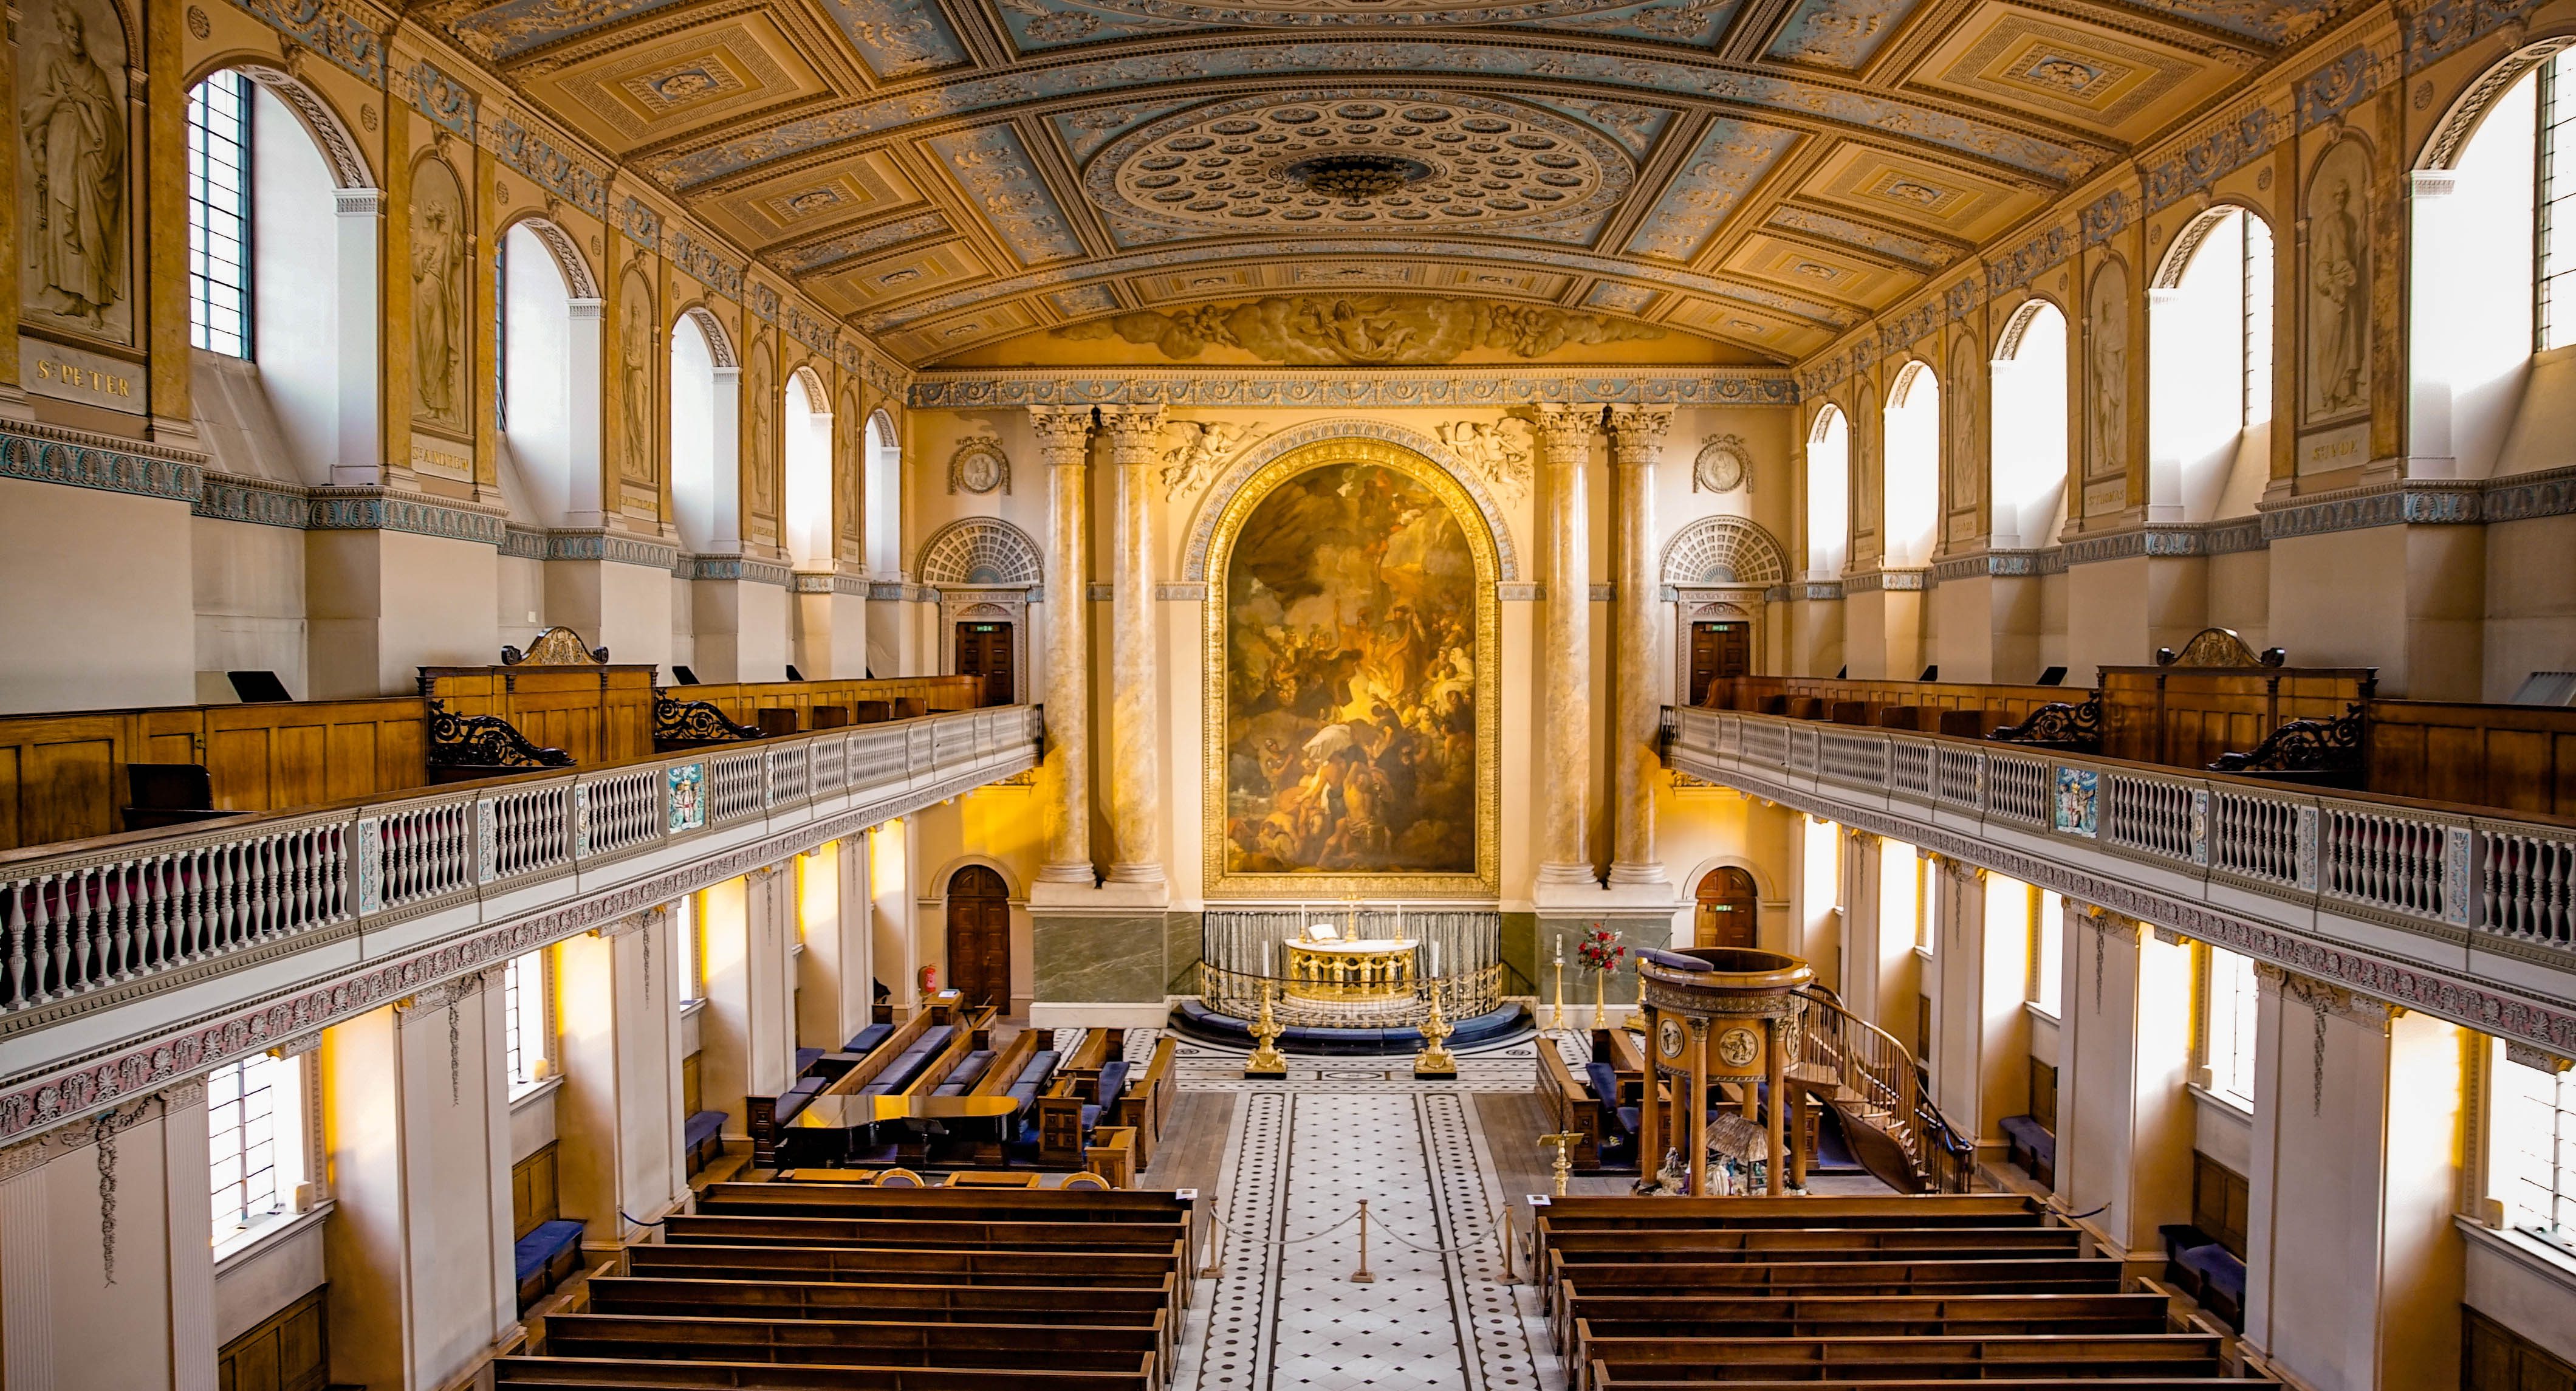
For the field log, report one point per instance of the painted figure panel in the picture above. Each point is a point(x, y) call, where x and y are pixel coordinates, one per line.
point(1350, 704)
point(439, 284)
point(72, 63)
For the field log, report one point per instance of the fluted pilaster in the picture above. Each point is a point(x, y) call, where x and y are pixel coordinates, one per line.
point(1636, 440)
point(1135, 706)
point(1064, 445)
point(1565, 644)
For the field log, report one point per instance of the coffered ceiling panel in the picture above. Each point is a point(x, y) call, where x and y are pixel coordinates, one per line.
point(1736, 179)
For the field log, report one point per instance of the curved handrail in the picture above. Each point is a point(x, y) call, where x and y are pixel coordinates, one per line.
point(1882, 1073)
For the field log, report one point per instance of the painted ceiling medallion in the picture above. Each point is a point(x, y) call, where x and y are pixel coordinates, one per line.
point(1359, 161)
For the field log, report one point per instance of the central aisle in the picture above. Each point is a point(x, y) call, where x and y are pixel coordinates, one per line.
point(1299, 1158)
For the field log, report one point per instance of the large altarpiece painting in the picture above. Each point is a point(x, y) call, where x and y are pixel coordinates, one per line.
point(1352, 701)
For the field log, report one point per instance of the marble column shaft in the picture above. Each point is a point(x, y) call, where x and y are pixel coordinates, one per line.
point(1064, 443)
point(1565, 644)
point(1135, 705)
point(1636, 438)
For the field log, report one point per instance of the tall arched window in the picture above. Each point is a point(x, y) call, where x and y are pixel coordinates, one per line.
point(2209, 363)
point(1828, 494)
point(2029, 471)
point(2493, 259)
point(536, 377)
point(884, 519)
point(1913, 460)
point(693, 437)
point(807, 437)
point(263, 278)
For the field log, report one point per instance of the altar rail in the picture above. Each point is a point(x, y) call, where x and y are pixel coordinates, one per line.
point(1253, 941)
point(2439, 870)
point(115, 913)
point(1466, 995)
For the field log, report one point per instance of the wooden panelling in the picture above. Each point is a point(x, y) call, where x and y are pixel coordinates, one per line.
point(62, 777)
point(2511, 757)
point(2007, 704)
point(2495, 1358)
point(598, 714)
point(290, 1351)
point(533, 1191)
point(743, 701)
point(2185, 717)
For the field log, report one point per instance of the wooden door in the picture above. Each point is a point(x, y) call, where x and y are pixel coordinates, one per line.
point(984, 649)
point(979, 937)
point(1727, 904)
point(1718, 650)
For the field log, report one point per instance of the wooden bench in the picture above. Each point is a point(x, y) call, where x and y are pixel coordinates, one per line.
point(1132, 1238)
point(1147, 1102)
point(1873, 1359)
point(623, 1374)
point(1603, 1379)
point(1857, 1316)
point(1905, 1275)
point(827, 1342)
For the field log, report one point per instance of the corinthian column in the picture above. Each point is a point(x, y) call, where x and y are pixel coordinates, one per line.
point(1135, 786)
point(1064, 443)
point(1636, 438)
point(1565, 645)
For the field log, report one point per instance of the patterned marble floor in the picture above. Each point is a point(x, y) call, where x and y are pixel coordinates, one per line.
point(1299, 1158)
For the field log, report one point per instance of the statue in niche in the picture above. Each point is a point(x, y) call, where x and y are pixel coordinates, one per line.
point(2107, 349)
point(635, 379)
point(74, 128)
point(2339, 283)
point(438, 286)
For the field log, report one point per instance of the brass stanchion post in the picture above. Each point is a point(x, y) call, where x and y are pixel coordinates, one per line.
point(1363, 1275)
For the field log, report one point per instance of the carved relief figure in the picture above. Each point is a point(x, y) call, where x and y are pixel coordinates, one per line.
point(73, 125)
point(1964, 467)
point(2106, 415)
point(1350, 703)
point(761, 461)
point(1498, 452)
point(846, 478)
point(1203, 448)
point(2338, 318)
point(635, 451)
point(439, 280)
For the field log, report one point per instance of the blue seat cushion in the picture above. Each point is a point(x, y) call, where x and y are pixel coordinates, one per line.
point(1605, 1082)
point(1090, 1115)
point(2219, 1268)
point(1041, 1067)
point(970, 1071)
point(549, 1240)
point(1672, 960)
point(1630, 1117)
point(703, 1126)
point(807, 1057)
point(866, 1040)
point(1113, 1083)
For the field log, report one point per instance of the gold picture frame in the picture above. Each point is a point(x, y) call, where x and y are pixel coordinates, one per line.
point(1486, 881)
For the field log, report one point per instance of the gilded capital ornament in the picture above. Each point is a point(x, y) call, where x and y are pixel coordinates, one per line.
point(1064, 433)
point(1637, 434)
point(1133, 433)
point(1564, 431)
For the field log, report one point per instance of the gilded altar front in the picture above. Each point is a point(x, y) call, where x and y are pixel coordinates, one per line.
point(1351, 971)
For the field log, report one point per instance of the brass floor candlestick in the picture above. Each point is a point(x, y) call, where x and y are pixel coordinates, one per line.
point(1563, 1168)
point(1556, 1018)
point(1266, 1062)
point(1435, 1063)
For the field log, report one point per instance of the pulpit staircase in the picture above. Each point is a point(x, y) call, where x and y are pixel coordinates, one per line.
point(1871, 1082)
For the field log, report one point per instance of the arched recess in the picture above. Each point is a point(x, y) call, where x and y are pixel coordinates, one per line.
point(1828, 494)
point(881, 515)
point(1913, 467)
point(1717, 571)
point(1428, 697)
point(2474, 250)
point(285, 276)
point(1716, 552)
point(1260, 455)
point(2027, 460)
point(986, 571)
point(805, 440)
point(549, 337)
point(706, 388)
point(2210, 340)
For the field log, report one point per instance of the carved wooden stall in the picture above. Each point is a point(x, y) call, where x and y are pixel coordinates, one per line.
point(1931, 707)
point(2218, 697)
point(558, 695)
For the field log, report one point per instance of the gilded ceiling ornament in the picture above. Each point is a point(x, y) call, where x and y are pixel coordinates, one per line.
point(1364, 330)
point(979, 466)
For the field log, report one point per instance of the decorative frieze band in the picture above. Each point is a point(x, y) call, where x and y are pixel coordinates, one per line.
point(1395, 388)
point(733, 567)
point(1874, 581)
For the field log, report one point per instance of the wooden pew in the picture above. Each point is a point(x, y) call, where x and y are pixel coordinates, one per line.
point(828, 1342)
point(1740, 1359)
point(1147, 1102)
point(763, 1119)
point(624, 1374)
point(1905, 1273)
point(1139, 1238)
point(1602, 1379)
point(1600, 1317)
point(1062, 1136)
point(945, 1204)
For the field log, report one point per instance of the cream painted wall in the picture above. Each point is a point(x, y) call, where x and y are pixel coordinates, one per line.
point(249, 598)
point(2531, 589)
point(384, 603)
point(100, 609)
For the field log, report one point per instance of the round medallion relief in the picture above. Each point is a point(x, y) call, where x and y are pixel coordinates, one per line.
point(1668, 1038)
point(1738, 1046)
point(1720, 466)
point(1360, 161)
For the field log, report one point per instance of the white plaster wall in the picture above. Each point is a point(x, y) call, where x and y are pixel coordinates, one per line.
point(2240, 595)
point(295, 248)
point(259, 1284)
point(99, 613)
point(384, 603)
point(2531, 603)
point(249, 599)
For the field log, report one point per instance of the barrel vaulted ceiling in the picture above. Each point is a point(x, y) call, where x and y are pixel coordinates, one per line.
point(950, 174)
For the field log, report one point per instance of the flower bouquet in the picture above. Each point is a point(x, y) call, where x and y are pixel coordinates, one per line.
point(1599, 951)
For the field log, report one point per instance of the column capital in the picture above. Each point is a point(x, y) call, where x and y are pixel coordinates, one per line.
point(1133, 433)
point(1637, 434)
point(1563, 429)
point(1064, 433)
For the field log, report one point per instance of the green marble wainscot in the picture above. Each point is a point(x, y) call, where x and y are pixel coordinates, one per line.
point(1182, 952)
point(1100, 958)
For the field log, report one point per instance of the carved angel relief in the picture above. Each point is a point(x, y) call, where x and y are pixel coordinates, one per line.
point(1498, 452)
point(1204, 447)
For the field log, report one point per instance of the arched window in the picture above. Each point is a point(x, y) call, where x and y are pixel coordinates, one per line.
point(536, 378)
point(263, 279)
point(2209, 363)
point(807, 437)
point(884, 517)
point(2029, 471)
point(693, 435)
point(2495, 263)
point(1828, 494)
point(1913, 455)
